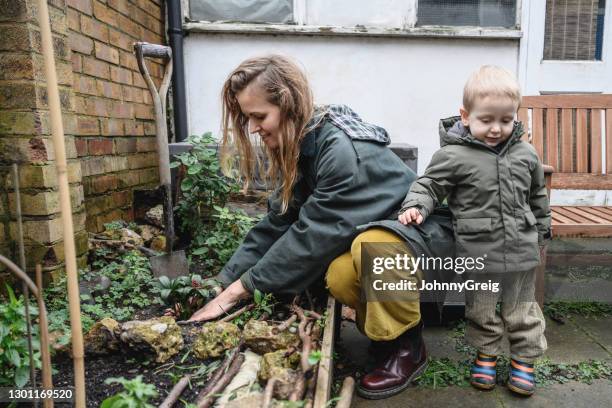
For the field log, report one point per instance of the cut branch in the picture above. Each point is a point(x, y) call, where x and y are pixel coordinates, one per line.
point(176, 392)
point(207, 400)
point(268, 393)
point(346, 393)
point(237, 313)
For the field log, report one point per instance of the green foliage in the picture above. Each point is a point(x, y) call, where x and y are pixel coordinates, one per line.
point(203, 186)
point(131, 289)
point(444, 372)
point(14, 356)
point(186, 294)
point(215, 231)
point(587, 309)
point(314, 357)
point(263, 304)
point(135, 394)
point(215, 245)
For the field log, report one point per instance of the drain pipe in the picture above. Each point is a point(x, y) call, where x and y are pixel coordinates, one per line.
point(175, 35)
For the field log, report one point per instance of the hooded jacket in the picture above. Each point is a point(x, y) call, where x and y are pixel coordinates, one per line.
point(347, 177)
point(497, 197)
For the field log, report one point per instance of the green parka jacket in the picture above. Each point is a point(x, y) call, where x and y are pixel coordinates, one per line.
point(498, 199)
point(347, 177)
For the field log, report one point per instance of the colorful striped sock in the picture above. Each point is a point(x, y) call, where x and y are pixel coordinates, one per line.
point(522, 380)
point(482, 374)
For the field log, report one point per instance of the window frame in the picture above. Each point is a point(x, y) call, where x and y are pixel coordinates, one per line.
point(410, 29)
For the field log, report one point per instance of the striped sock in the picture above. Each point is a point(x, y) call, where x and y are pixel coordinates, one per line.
point(482, 374)
point(522, 378)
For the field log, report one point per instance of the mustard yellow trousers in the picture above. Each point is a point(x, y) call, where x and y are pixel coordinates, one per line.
point(377, 320)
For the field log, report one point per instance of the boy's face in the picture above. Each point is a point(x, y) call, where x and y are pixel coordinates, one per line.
point(491, 119)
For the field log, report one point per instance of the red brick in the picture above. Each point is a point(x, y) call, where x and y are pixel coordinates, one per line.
point(146, 144)
point(87, 126)
point(130, 27)
point(100, 147)
point(142, 111)
point(128, 60)
point(77, 63)
point(126, 145)
point(150, 36)
point(105, 14)
point(80, 43)
point(139, 81)
point(112, 127)
point(121, 6)
point(109, 89)
point(94, 67)
point(122, 110)
point(81, 146)
point(74, 19)
point(94, 29)
point(102, 184)
point(146, 97)
point(96, 106)
point(85, 84)
point(106, 53)
point(149, 128)
point(121, 75)
point(121, 40)
point(151, 8)
point(84, 6)
point(134, 128)
point(121, 198)
point(132, 94)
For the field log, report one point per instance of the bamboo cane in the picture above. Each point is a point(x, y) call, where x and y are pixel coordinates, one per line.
point(44, 339)
point(57, 131)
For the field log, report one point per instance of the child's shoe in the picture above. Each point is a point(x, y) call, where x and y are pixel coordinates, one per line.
point(522, 380)
point(483, 372)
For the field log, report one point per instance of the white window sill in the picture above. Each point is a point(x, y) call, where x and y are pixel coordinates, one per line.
point(357, 31)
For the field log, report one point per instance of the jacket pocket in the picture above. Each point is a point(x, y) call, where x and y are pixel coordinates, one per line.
point(530, 219)
point(474, 225)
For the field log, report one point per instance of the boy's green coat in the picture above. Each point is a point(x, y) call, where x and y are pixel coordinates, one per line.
point(498, 200)
point(343, 183)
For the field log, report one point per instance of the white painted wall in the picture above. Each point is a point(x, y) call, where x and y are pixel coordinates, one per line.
point(403, 84)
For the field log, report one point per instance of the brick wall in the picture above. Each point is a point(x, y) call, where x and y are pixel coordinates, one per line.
point(107, 114)
point(115, 124)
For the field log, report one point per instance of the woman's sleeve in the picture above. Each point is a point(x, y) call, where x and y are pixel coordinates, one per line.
point(321, 232)
point(257, 241)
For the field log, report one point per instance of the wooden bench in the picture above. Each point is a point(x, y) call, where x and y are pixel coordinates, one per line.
point(573, 137)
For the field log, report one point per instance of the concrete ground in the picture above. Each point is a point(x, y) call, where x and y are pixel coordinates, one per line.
point(580, 339)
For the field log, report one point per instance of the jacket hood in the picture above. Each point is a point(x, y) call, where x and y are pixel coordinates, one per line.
point(452, 131)
point(346, 119)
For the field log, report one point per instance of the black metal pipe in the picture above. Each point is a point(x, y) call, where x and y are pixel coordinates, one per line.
point(175, 35)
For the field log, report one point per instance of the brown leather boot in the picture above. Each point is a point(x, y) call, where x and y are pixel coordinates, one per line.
point(406, 363)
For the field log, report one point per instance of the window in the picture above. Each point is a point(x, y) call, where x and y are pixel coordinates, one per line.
point(483, 13)
point(246, 11)
point(574, 29)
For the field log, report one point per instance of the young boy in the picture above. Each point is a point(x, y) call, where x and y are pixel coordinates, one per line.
point(494, 186)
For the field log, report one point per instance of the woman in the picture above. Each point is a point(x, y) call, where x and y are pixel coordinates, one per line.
point(333, 172)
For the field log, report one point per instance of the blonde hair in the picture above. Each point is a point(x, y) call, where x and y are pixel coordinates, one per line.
point(286, 86)
point(491, 80)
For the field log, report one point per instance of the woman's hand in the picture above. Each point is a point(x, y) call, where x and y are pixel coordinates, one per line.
point(410, 215)
point(222, 303)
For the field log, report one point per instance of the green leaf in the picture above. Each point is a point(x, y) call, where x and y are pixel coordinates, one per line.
point(164, 281)
point(257, 296)
point(175, 164)
point(22, 376)
point(186, 184)
point(112, 402)
point(195, 169)
point(13, 357)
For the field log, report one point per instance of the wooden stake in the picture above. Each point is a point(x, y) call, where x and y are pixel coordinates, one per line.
point(47, 380)
point(57, 131)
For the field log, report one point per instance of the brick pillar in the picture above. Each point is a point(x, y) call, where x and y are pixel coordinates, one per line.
point(25, 135)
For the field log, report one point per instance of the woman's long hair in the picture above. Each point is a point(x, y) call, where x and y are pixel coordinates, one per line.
point(286, 86)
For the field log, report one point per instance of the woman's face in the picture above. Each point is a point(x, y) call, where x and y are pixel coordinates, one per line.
point(264, 117)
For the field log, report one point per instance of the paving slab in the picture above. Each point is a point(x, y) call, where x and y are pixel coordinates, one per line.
point(571, 395)
point(568, 343)
point(599, 329)
point(417, 397)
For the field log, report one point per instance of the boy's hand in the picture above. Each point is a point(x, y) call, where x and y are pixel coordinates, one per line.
point(410, 215)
